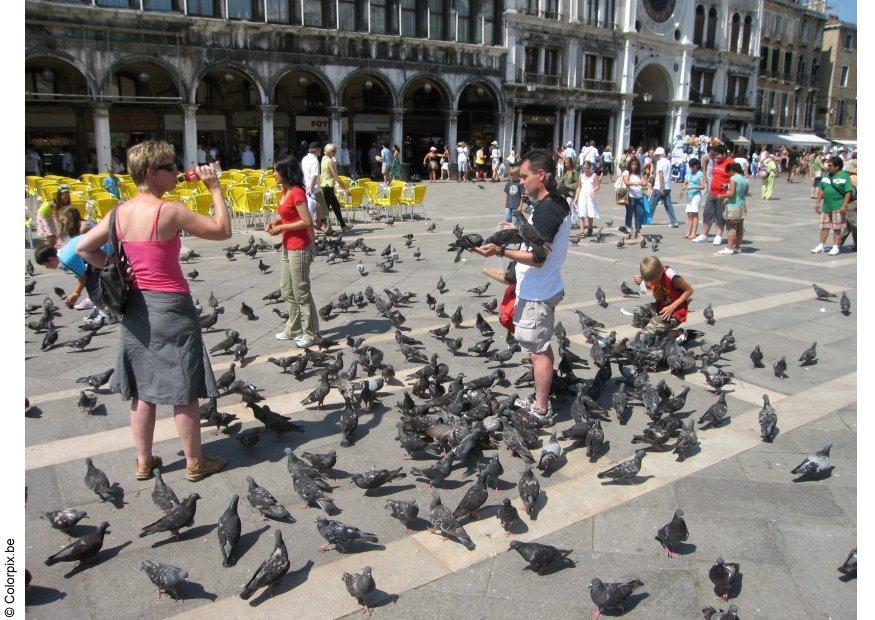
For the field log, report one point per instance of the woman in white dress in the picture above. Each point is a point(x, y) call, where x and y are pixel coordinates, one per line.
point(587, 187)
point(462, 161)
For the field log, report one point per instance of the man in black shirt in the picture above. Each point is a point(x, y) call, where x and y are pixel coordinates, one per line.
point(538, 272)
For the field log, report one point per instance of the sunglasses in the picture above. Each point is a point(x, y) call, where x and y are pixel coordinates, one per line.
point(167, 167)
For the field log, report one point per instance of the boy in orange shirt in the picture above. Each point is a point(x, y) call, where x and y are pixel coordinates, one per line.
point(671, 293)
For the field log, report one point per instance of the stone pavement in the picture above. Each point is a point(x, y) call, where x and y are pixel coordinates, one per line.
point(737, 493)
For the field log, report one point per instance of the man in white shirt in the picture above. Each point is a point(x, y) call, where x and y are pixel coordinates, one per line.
point(201, 156)
point(569, 151)
point(67, 164)
point(495, 156)
point(315, 200)
point(247, 157)
point(32, 162)
point(662, 186)
point(343, 159)
point(386, 157)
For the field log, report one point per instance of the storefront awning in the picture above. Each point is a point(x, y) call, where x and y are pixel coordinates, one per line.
point(734, 137)
point(806, 139)
point(846, 142)
point(770, 137)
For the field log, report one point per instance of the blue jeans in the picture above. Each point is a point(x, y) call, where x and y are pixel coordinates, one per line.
point(635, 208)
point(666, 199)
point(508, 214)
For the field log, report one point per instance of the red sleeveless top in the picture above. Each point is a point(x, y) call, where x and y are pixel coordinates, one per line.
point(665, 293)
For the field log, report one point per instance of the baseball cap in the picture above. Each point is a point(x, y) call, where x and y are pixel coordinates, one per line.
point(659, 151)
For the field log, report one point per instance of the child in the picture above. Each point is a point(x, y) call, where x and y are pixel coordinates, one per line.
point(513, 191)
point(694, 184)
point(671, 293)
point(587, 187)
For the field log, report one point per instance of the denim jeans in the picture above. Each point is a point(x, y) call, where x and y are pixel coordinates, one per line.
point(508, 214)
point(635, 208)
point(666, 199)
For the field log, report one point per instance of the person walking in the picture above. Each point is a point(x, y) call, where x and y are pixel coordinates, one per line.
point(694, 185)
point(480, 164)
point(833, 197)
point(662, 186)
point(816, 173)
point(296, 227)
point(635, 185)
point(770, 168)
point(343, 160)
point(395, 168)
point(445, 164)
point(162, 359)
point(312, 172)
point(432, 163)
point(462, 160)
point(539, 285)
point(328, 183)
point(385, 163)
point(608, 163)
point(588, 186)
point(713, 211)
point(736, 208)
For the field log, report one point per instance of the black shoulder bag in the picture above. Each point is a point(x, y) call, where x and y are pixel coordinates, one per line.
point(114, 285)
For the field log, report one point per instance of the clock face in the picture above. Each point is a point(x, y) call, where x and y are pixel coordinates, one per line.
point(659, 10)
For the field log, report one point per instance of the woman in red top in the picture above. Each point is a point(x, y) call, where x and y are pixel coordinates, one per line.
point(296, 227)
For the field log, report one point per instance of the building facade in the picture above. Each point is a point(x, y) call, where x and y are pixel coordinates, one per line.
point(273, 74)
point(790, 71)
point(837, 106)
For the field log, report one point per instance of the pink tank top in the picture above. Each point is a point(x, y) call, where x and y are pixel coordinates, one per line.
point(155, 263)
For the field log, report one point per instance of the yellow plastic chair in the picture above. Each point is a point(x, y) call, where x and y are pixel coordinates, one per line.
point(80, 206)
point(392, 202)
point(202, 204)
point(101, 195)
point(184, 191)
point(171, 198)
point(269, 181)
point(417, 200)
point(77, 186)
point(128, 189)
point(356, 200)
point(102, 207)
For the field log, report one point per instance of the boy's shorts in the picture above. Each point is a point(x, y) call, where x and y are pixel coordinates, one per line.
point(92, 284)
point(832, 219)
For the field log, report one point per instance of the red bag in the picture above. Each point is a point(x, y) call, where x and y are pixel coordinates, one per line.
point(507, 308)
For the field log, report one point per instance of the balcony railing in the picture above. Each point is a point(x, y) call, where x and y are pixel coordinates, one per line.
point(697, 97)
point(534, 12)
point(545, 80)
point(605, 85)
point(737, 100)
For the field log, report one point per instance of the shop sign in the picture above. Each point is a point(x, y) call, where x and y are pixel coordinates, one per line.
point(318, 123)
point(538, 119)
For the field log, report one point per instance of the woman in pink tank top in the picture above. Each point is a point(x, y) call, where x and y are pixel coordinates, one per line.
point(162, 359)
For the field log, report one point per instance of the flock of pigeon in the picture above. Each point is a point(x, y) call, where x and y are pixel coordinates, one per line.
point(458, 422)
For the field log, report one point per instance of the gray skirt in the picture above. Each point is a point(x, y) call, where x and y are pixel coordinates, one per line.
point(162, 358)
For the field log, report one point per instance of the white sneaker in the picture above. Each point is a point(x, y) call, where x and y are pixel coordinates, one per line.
point(818, 249)
point(700, 239)
point(834, 251)
point(726, 251)
point(283, 336)
point(718, 239)
point(303, 342)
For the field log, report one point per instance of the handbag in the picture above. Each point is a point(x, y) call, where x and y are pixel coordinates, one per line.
point(621, 193)
point(114, 284)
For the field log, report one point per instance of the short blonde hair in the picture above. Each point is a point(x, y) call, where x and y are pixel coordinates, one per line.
point(329, 149)
point(146, 155)
point(514, 172)
point(651, 268)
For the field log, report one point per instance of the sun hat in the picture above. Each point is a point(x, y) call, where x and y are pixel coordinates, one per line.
point(63, 188)
point(659, 151)
point(434, 148)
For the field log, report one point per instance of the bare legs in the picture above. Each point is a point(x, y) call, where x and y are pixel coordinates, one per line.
point(542, 365)
point(692, 225)
point(188, 426)
point(143, 429)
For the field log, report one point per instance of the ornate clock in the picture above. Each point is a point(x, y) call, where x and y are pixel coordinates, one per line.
point(659, 10)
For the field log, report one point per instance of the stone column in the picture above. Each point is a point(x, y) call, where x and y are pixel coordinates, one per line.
point(571, 54)
point(452, 133)
point(568, 125)
point(507, 127)
point(518, 132)
point(557, 127)
point(612, 128)
point(189, 136)
point(574, 12)
point(514, 68)
point(102, 139)
point(267, 111)
point(397, 126)
point(336, 125)
point(624, 123)
point(716, 128)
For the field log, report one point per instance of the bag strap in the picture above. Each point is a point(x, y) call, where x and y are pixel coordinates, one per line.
point(121, 258)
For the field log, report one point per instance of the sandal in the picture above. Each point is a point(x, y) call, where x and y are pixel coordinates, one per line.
point(206, 468)
point(145, 472)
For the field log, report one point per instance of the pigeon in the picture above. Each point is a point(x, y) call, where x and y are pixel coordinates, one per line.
point(227, 378)
point(187, 256)
point(417, 254)
point(376, 478)
point(482, 326)
point(349, 423)
point(456, 319)
point(359, 585)
point(192, 275)
point(767, 418)
point(404, 511)
point(621, 243)
point(628, 291)
point(28, 288)
point(436, 473)
point(507, 514)
point(82, 343)
point(453, 344)
point(815, 466)
point(179, 517)
point(756, 357)
point(822, 293)
point(809, 355)
point(715, 413)
point(673, 532)
point(273, 296)
point(65, 520)
point(595, 440)
point(249, 438)
point(722, 575)
point(431, 227)
point(712, 614)
point(322, 462)
point(232, 337)
point(444, 523)
point(162, 495)
point(165, 577)
point(687, 440)
point(708, 313)
point(627, 470)
point(780, 368)
point(441, 286)
point(271, 571)
point(338, 535)
point(845, 304)
point(440, 332)
point(479, 290)
point(81, 549)
point(849, 566)
point(265, 503)
point(97, 481)
point(600, 297)
point(474, 497)
point(643, 243)
point(529, 488)
point(620, 401)
point(276, 422)
point(228, 531)
point(539, 556)
point(490, 306)
point(60, 292)
point(29, 269)
point(86, 402)
point(262, 267)
point(611, 595)
point(317, 395)
point(248, 312)
point(241, 351)
point(549, 454)
point(312, 492)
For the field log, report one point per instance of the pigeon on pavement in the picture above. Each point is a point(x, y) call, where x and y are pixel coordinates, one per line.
point(338, 535)
point(404, 511)
point(767, 418)
point(265, 503)
point(539, 556)
point(228, 531)
point(822, 293)
point(271, 571)
point(627, 470)
point(723, 575)
point(97, 481)
point(359, 585)
point(165, 577)
point(507, 514)
point(672, 533)
point(179, 517)
point(815, 466)
point(809, 355)
point(443, 522)
point(611, 595)
point(65, 520)
point(162, 495)
point(82, 548)
point(713, 614)
point(529, 488)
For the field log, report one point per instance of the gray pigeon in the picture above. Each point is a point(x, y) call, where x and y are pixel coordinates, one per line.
point(715, 413)
point(780, 367)
point(229, 532)
point(404, 511)
point(271, 571)
point(529, 488)
point(265, 503)
point(767, 418)
point(849, 566)
point(816, 465)
point(687, 440)
point(179, 517)
point(162, 495)
point(611, 595)
point(312, 494)
point(822, 293)
point(549, 454)
point(474, 497)
point(627, 470)
point(595, 440)
point(713, 614)
point(708, 313)
point(165, 577)
point(600, 296)
point(443, 522)
point(673, 532)
point(845, 304)
point(97, 481)
point(359, 586)
point(723, 575)
point(376, 478)
point(539, 556)
point(66, 519)
point(338, 535)
point(756, 357)
point(809, 355)
point(507, 514)
point(82, 548)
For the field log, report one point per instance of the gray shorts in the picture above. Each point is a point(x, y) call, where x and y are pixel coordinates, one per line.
point(534, 321)
point(713, 211)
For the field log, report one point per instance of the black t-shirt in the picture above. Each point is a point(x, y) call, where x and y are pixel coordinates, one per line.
point(548, 216)
point(514, 192)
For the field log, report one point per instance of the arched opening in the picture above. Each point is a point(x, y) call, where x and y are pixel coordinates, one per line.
point(56, 104)
point(425, 121)
point(699, 25)
point(302, 114)
point(650, 122)
point(711, 37)
point(478, 117)
point(734, 32)
point(745, 36)
point(145, 106)
point(228, 118)
point(368, 100)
